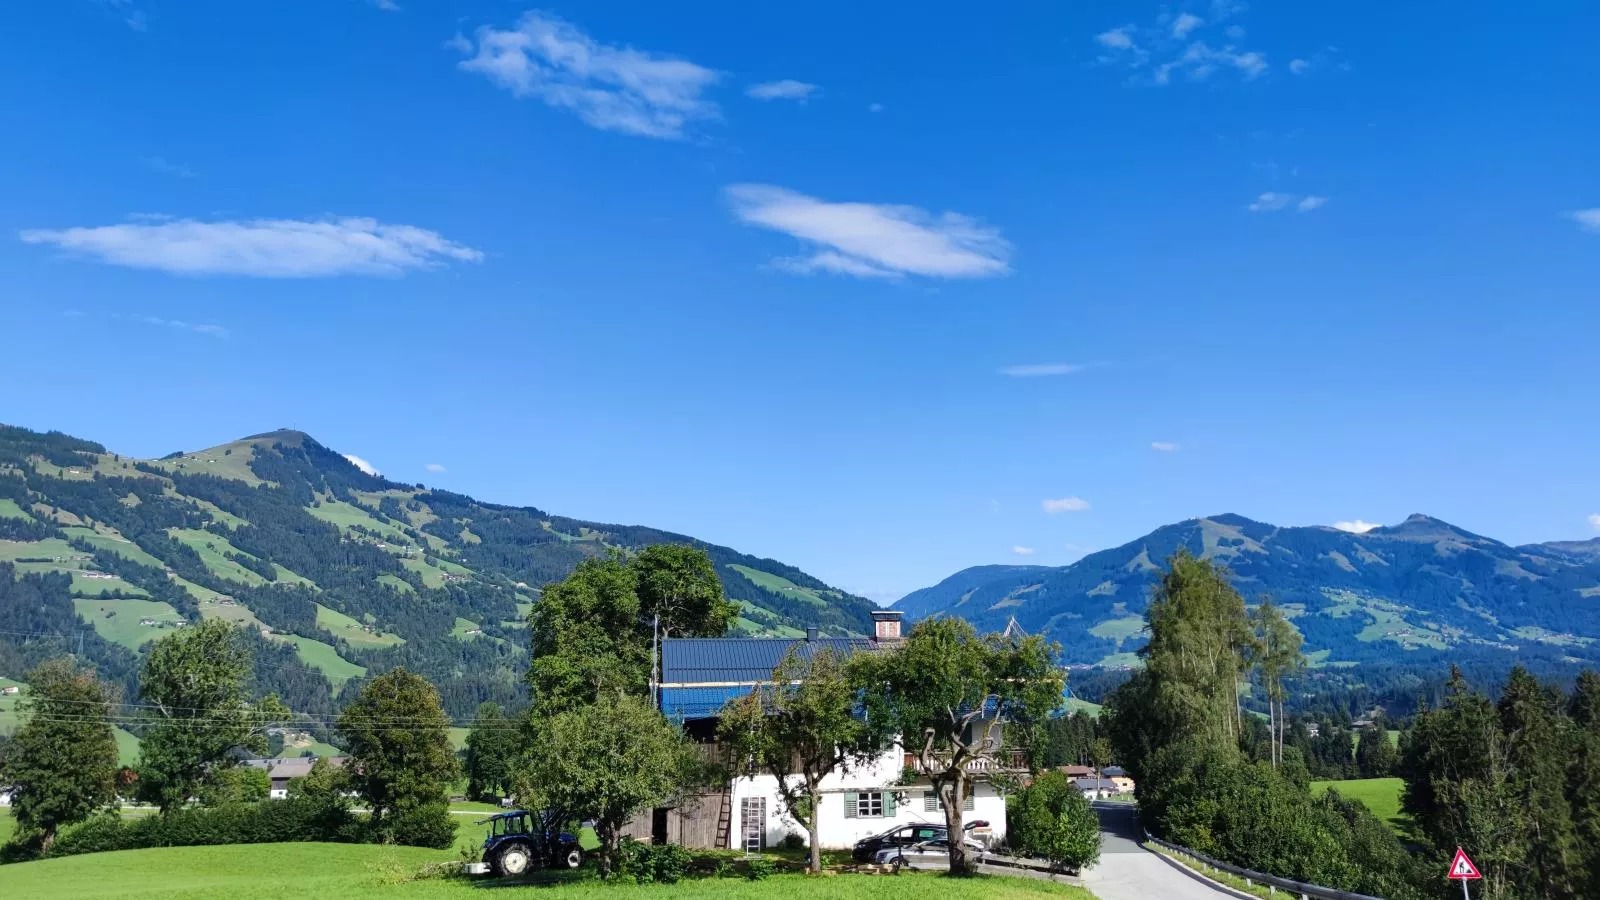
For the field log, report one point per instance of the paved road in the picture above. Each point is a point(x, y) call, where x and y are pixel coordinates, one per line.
point(1127, 871)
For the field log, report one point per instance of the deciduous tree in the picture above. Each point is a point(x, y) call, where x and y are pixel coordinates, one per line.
point(401, 761)
point(801, 728)
point(62, 762)
point(493, 745)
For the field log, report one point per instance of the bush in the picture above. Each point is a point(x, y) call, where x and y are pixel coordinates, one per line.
point(646, 863)
point(429, 825)
point(792, 842)
point(1050, 819)
point(267, 822)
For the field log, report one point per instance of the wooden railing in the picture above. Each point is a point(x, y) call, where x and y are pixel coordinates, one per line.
point(1003, 761)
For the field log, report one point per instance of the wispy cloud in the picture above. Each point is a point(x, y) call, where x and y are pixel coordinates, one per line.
point(1172, 47)
point(1042, 370)
point(1356, 526)
point(1065, 504)
point(1185, 23)
point(1299, 66)
point(787, 89)
point(875, 107)
point(1277, 201)
point(216, 331)
point(1164, 446)
point(1022, 551)
point(361, 464)
point(614, 88)
point(1587, 219)
point(1271, 201)
point(162, 165)
point(873, 240)
point(386, 5)
point(435, 467)
point(1594, 520)
point(264, 248)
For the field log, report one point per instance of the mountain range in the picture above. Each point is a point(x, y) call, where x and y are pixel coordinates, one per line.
point(1421, 590)
point(336, 571)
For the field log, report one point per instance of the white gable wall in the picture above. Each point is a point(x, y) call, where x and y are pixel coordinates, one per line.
point(839, 831)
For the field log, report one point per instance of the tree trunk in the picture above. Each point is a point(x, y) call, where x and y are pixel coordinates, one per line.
point(609, 842)
point(47, 840)
point(815, 829)
point(951, 792)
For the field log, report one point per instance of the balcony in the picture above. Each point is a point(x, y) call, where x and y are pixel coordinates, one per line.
point(1005, 761)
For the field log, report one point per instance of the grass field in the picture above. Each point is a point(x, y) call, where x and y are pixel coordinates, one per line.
point(8, 706)
point(49, 548)
point(344, 515)
point(352, 631)
point(127, 747)
point(212, 548)
point(365, 871)
point(120, 546)
point(459, 632)
point(396, 582)
point(10, 510)
point(118, 620)
point(321, 656)
point(1381, 795)
point(784, 586)
point(7, 825)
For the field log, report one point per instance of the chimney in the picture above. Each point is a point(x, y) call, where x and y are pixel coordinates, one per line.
point(886, 625)
point(811, 632)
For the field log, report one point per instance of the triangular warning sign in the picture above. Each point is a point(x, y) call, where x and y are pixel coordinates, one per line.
point(1461, 868)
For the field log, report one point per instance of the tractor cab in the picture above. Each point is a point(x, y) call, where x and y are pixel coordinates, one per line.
point(515, 842)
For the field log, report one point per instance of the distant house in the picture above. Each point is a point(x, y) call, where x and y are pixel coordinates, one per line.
point(6, 795)
point(1096, 788)
point(283, 770)
point(1113, 772)
point(1124, 784)
point(9, 690)
point(1078, 771)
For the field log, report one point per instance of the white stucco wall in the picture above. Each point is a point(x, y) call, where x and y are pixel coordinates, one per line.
point(839, 831)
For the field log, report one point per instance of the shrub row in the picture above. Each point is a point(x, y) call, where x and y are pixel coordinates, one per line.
point(267, 822)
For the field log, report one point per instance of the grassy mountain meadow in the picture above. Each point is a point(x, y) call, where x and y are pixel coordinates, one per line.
point(1422, 591)
point(335, 572)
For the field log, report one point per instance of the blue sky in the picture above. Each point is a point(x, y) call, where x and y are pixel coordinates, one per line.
point(880, 290)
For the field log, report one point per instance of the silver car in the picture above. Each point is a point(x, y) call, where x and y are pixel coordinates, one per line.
point(935, 852)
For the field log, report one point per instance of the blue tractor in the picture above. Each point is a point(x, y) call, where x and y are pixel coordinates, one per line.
point(516, 843)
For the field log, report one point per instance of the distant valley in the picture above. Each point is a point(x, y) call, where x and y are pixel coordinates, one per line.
point(1422, 590)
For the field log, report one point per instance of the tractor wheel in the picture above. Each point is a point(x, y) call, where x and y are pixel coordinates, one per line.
point(513, 859)
point(572, 858)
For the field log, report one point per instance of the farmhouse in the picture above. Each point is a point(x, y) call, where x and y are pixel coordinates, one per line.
point(699, 675)
point(9, 690)
point(286, 769)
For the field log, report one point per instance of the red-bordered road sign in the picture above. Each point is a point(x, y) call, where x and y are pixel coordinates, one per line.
point(1461, 868)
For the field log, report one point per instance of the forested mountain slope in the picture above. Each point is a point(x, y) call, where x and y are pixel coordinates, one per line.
point(1422, 590)
point(335, 571)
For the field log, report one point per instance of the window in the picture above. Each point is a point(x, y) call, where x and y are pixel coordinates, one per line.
point(868, 804)
point(930, 801)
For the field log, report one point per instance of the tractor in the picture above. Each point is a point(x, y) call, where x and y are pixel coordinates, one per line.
point(515, 843)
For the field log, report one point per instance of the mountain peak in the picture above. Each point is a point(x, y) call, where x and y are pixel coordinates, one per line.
point(289, 437)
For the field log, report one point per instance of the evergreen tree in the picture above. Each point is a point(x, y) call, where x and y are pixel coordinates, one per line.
point(493, 745)
point(62, 762)
point(401, 761)
point(1539, 754)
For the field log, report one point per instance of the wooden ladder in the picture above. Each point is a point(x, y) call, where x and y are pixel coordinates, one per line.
point(725, 821)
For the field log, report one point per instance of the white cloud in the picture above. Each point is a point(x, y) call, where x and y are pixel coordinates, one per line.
point(1041, 370)
point(1356, 526)
point(1310, 203)
point(1185, 23)
point(1587, 219)
point(1116, 38)
point(1299, 66)
point(265, 248)
point(787, 89)
point(1065, 504)
point(160, 164)
point(386, 5)
point(875, 107)
point(361, 464)
point(216, 331)
point(873, 240)
point(1595, 520)
point(1022, 551)
point(1234, 32)
point(435, 467)
point(1164, 446)
point(1271, 201)
point(1199, 61)
point(614, 88)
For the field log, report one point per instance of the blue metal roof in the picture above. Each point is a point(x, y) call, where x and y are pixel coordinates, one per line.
point(702, 660)
point(698, 702)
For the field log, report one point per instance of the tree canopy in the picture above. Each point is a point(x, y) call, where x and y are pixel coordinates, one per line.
point(62, 762)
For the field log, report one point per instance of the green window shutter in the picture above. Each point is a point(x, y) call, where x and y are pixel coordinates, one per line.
point(888, 804)
point(850, 805)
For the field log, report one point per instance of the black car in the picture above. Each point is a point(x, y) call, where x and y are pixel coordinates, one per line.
point(866, 849)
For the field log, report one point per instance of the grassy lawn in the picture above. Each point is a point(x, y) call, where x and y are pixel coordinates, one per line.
point(352, 631)
point(118, 620)
point(127, 747)
point(7, 825)
point(360, 871)
point(1381, 795)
